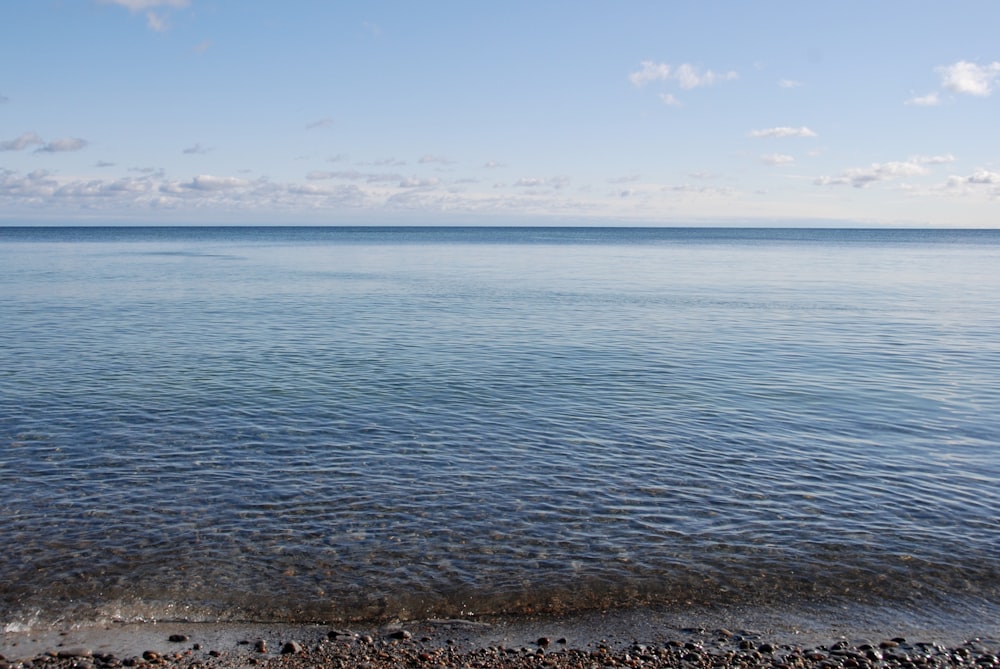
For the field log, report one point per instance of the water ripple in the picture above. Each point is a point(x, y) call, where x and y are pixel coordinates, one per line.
point(369, 429)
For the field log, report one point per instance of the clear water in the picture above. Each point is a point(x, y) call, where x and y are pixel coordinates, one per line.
point(327, 424)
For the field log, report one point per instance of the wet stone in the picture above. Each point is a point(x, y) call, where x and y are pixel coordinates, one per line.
point(178, 638)
point(340, 634)
point(291, 648)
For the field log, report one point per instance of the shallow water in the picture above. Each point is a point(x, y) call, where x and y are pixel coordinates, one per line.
point(310, 424)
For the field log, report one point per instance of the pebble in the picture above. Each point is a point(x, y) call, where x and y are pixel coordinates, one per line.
point(178, 638)
point(734, 654)
point(340, 634)
point(399, 634)
point(291, 648)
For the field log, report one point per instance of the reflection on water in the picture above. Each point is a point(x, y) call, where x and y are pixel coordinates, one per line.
point(348, 424)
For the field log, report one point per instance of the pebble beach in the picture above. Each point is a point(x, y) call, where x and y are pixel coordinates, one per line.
point(400, 648)
point(608, 639)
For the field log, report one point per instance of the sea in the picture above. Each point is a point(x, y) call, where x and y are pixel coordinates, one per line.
point(303, 424)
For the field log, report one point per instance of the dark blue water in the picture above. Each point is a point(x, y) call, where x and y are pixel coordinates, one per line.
point(344, 423)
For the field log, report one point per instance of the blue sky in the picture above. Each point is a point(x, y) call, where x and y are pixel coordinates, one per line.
point(641, 113)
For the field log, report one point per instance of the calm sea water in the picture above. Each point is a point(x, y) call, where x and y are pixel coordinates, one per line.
point(335, 423)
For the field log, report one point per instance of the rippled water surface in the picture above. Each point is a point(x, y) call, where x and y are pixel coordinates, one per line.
point(303, 424)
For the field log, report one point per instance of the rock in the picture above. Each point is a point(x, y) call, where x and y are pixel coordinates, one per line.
point(260, 646)
point(291, 648)
point(74, 652)
point(151, 656)
point(178, 638)
point(340, 634)
point(543, 642)
point(399, 634)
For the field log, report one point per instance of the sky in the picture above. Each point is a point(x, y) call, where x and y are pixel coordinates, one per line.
point(553, 112)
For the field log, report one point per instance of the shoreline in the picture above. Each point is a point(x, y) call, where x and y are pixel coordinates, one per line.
point(718, 637)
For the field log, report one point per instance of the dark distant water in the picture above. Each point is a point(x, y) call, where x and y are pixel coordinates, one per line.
point(319, 424)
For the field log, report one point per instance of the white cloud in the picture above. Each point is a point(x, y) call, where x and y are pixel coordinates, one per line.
point(984, 177)
point(777, 159)
point(141, 5)
point(969, 78)
point(861, 177)
point(317, 175)
point(60, 145)
point(428, 158)
point(392, 162)
point(529, 182)
point(670, 100)
point(980, 183)
point(21, 142)
point(929, 100)
point(42, 191)
point(690, 77)
point(650, 71)
point(789, 83)
point(354, 175)
point(556, 182)
point(157, 21)
point(212, 183)
point(686, 75)
point(689, 189)
point(196, 149)
point(783, 131)
point(148, 170)
point(492, 165)
point(417, 182)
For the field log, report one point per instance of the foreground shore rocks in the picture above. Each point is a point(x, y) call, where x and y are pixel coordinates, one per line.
point(340, 648)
